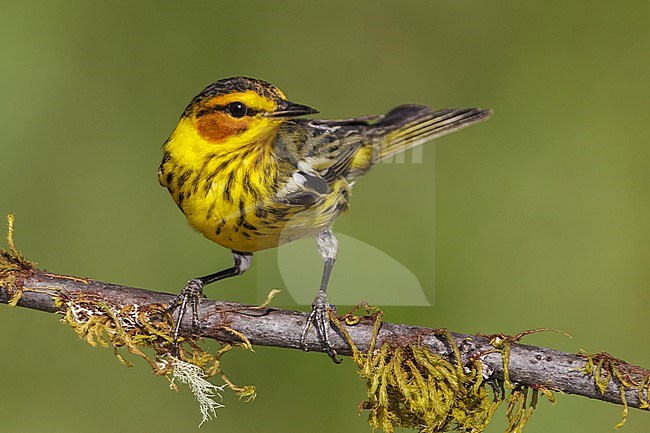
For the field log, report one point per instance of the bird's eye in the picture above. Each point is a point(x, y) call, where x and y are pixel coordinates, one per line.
point(237, 109)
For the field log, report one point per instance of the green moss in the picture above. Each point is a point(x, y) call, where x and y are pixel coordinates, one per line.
point(14, 268)
point(409, 386)
point(606, 369)
point(502, 343)
point(145, 331)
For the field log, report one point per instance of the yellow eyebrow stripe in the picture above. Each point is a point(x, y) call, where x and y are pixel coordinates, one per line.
point(249, 98)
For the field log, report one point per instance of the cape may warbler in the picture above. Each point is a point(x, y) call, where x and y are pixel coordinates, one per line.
point(249, 175)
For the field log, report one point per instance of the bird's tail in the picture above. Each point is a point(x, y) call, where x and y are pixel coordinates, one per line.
point(407, 126)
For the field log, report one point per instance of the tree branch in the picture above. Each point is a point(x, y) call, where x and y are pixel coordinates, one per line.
point(528, 365)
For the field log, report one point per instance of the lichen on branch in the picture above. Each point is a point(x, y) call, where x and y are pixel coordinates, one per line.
point(144, 330)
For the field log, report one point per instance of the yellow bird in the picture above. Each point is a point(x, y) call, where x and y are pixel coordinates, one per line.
point(250, 175)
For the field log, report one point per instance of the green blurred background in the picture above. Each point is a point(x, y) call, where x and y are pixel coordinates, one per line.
point(539, 217)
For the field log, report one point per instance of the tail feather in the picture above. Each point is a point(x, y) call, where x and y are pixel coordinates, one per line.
point(408, 126)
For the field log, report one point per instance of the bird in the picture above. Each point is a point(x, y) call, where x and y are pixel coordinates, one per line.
point(250, 173)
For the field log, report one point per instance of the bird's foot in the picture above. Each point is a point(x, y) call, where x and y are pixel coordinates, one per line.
point(319, 318)
point(190, 296)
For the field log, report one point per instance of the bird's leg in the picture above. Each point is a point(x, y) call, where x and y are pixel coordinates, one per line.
point(193, 292)
point(327, 246)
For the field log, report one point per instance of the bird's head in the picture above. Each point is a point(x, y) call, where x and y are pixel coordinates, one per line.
point(239, 110)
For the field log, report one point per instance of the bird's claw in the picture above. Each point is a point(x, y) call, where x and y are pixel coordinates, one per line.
point(318, 317)
point(191, 294)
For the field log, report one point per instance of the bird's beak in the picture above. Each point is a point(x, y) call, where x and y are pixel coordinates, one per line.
point(291, 109)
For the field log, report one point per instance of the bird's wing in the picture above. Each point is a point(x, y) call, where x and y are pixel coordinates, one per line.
point(316, 153)
point(321, 151)
point(332, 145)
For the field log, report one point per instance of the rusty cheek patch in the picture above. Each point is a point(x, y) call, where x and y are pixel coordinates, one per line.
point(220, 126)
